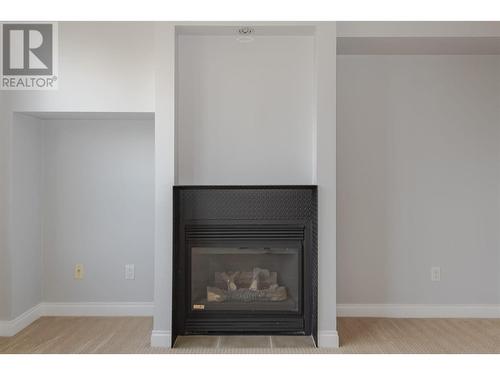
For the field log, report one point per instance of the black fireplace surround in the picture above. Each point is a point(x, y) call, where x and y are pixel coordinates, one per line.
point(245, 260)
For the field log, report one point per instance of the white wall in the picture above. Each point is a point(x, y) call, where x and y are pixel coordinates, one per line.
point(418, 179)
point(103, 67)
point(25, 225)
point(245, 110)
point(433, 29)
point(5, 140)
point(98, 195)
point(82, 191)
point(325, 174)
point(164, 180)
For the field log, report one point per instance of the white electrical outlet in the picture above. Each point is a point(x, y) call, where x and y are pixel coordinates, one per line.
point(129, 271)
point(78, 271)
point(436, 274)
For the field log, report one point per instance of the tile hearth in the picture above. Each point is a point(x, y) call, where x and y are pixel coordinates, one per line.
point(237, 342)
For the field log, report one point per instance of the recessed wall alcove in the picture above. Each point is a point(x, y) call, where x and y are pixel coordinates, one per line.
point(82, 192)
point(246, 110)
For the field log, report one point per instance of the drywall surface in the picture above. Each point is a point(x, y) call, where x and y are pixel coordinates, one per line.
point(25, 210)
point(5, 143)
point(103, 67)
point(418, 179)
point(164, 180)
point(245, 110)
point(325, 178)
point(418, 29)
point(98, 193)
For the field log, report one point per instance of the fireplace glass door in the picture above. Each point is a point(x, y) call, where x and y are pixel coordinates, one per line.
point(250, 278)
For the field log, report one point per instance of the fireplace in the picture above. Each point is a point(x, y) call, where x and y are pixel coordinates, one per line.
point(245, 260)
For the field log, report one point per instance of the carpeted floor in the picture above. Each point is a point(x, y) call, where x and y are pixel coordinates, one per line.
point(357, 335)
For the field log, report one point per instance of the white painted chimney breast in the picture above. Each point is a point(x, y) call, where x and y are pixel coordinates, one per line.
point(245, 110)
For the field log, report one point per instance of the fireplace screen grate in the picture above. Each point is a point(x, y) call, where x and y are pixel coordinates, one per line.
point(245, 278)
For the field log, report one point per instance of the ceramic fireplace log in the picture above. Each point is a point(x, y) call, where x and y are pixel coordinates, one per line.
point(272, 294)
point(244, 279)
point(257, 274)
point(229, 278)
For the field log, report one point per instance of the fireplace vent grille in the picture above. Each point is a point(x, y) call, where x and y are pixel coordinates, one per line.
point(245, 232)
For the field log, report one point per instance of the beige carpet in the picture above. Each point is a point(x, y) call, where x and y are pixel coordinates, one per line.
point(357, 335)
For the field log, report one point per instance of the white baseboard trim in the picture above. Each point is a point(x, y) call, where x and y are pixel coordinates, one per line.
point(328, 339)
point(161, 339)
point(11, 327)
point(98, 309)
point(418, 311)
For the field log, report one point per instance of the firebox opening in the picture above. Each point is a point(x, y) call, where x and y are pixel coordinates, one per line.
point(246, 278)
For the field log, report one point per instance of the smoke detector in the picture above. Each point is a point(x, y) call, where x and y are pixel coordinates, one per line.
point(244, 34)
point(246, 30)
